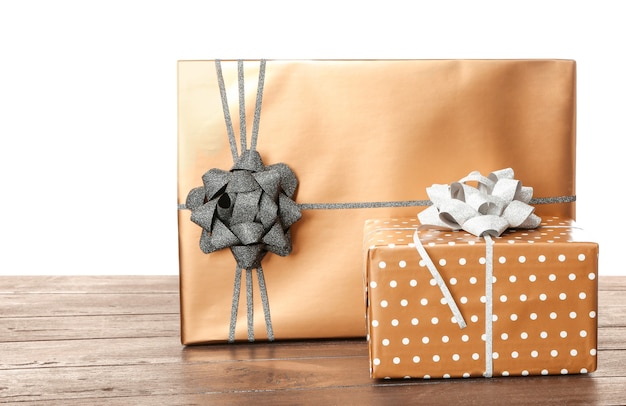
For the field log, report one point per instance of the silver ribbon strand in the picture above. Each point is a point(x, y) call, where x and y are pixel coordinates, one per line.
point(248, 209)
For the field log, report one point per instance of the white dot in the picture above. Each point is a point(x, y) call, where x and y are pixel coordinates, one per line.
point(572, 277)
point(393, 284)
point(404, 303)
point(396, 360)
point(463, 299)
point(373, 284)
point(562, 296)
point(581, 257)
point(384, 303)
point(495, 355)
point(533, 316)
point(572, 315)
point(582, 295)
point(505, 373)
point(434, 320)
point(523, 298)
point(416, 359)
point(514, 354)
point(552, 277)
point(483, 299)
point(402, 264)
point(482, 261)
point(433, 282)
point(443, 301)
point(475, 356)
point(395, 322)
point(376, 361)
point(425, 340)
point(391, 245)
point(445, 339)
point(521, 259)
point(561, 258)
point(553, 316)
point(592, 276)
point(563, 371)
point(543, 297)
point(483, 337)
point(573, 353)
point(534, 354)
point(524, 335)
point(426, 376)
point(456, 357)
point(502, 260)
point(474, 318)
point(583, 370)
point(524, 373)
point(436, 358)
point(512, 278)
point(554, 353)
point(513, 317)
point(592, 314)
point(424, 301)
point(542, 258)
point(543, 334)
point(593, 352)
point(504, 336)
point(503, 298)
point(422, 264)
point(544, 372)
point(442, 262)
point(453, 281)
point(465, 338)
point(563, 334)
point(446, 376)
point(462, 261)
point(532, 278)
point(382, 265)
point(473, 280)
point(466, 375)
point(414, 321)
point(385, 342)
point(583, 333)
point(374, 323)
point(405, 341)
point(413, 283)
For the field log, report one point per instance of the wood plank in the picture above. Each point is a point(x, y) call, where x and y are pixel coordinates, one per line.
point(164, 350)
point(607, 283)
point(499, 391)
point(88, 327)
point(88, 284)
point(81, 304)
point(61, 384)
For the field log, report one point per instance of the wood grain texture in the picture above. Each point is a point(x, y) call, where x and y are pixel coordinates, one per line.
point(115, 341)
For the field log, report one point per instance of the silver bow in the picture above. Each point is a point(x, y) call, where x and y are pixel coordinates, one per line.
point(497, 202)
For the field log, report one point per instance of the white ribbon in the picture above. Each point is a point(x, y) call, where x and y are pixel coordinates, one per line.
point(496, 203)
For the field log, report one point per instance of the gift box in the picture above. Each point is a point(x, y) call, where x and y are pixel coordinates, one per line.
point(329, 121)
point(542, 301)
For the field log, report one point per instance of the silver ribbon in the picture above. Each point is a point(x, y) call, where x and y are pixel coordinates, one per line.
point(248, 209)
point(496, 203)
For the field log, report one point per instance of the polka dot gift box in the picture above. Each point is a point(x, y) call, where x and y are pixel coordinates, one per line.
point(543, 297)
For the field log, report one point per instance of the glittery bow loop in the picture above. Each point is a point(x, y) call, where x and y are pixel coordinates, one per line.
point(481, 205)
point(248, 209)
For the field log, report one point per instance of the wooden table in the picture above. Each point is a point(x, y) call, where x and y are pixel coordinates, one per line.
point(114, 340)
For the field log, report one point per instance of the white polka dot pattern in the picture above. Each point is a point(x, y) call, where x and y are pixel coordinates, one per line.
point(544, 302)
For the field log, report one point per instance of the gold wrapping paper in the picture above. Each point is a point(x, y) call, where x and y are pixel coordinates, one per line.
point(544, 301)
point(354, 132)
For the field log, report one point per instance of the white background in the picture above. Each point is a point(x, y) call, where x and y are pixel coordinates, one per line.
point(88, 106)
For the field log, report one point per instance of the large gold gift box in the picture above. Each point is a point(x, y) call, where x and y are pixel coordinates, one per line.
point(365, 139)
point(543, 302)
